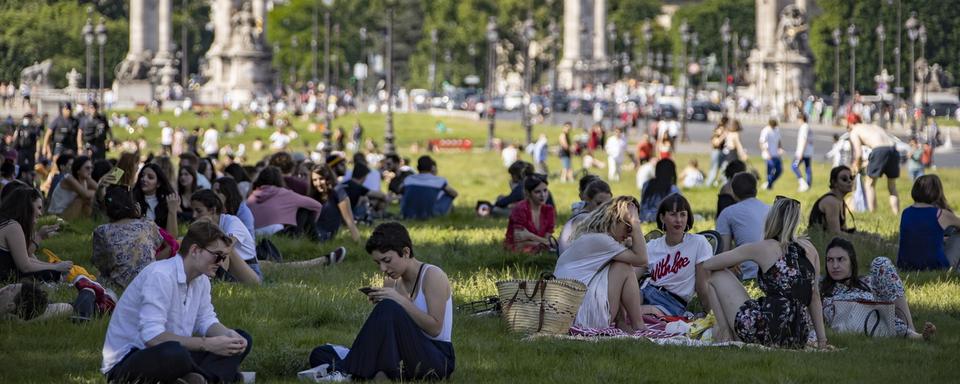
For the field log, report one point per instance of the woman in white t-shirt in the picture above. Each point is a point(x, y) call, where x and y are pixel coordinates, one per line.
point(242, 264)
point(676, 272)
point(598, 258)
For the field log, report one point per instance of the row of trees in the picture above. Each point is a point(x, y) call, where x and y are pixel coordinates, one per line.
point(34, 30)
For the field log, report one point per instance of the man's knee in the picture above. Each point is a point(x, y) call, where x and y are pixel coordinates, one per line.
point(249, 339)
point(174, 356)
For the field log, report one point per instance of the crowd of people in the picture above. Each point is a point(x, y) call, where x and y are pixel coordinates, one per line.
point(232, 211)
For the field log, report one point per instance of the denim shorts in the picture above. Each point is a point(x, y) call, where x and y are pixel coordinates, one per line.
point(664, 301)
point(565, 162)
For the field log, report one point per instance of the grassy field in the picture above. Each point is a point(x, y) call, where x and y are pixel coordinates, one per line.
point(298, 309)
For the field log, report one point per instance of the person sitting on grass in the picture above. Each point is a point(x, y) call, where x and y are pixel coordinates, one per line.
point(27, 301)
point(156, 197)
point(73, 196)
point(166, 315)
point(922, 227)
point(336, 203)
point(365, 202)
point(593, 195)
point(655, 190)
point(242, 264)
point(843, 282)
point(676, 261)
point(427, 177)
point(691, 176)
point(598, 258)
point(186, 186)
point(233, 201)
point(789, 281)
point(19, 211)
point(742, 223)
point(725, 197)
point(128, 243)
point(276, 208)
point(531, 223)
point(408, 334)
point(829, 213)
point(518, 171)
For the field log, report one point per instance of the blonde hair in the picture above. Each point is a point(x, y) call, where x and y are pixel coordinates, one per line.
point(602, 219)
point(782, 221)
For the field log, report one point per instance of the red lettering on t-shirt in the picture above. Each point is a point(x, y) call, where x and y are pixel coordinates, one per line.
point(665, 267)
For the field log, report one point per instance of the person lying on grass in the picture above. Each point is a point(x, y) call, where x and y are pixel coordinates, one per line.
point(843, 282)
point(408, 334)
point(532, 220)
point(676, 260)
point(789, 274)
point(592, 194)
point(607, 250)
point(27, 301)
point(166, 315)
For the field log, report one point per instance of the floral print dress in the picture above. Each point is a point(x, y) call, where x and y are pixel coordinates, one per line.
point(780, 319)
point(883, 284)
point(121, 250)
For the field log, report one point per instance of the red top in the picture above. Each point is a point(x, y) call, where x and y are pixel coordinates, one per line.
point(522, 217)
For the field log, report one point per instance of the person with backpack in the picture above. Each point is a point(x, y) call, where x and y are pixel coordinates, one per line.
point(25, 139)
point(63, 134)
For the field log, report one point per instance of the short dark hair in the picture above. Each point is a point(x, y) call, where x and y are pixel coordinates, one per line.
point(595, 188)
point(425, 164)
point(519, 169)
point(283, 161)
point(62, 161)
point(269, 176)
point(191, 158)
point(209, 199)
point(202, 233)
point(674, 202)
point(391, 236)
point(734, 167)
point(744, 185)
point(587, 180)
point(360, 171)
point(8, 168)
point(119, 203)
point(30, 302)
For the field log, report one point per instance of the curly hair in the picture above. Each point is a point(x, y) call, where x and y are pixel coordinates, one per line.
point(602, 219)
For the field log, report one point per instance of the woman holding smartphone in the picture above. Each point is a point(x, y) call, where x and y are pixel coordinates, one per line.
point(407, 336)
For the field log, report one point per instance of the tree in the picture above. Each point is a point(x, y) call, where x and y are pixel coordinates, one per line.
point(706, 17)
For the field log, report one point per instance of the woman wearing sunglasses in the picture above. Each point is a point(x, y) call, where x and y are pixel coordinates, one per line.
point(829, 213)
point(788, 280)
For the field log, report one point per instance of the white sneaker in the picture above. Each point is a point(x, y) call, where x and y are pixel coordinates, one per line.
point(803, 185)
point(322, 373)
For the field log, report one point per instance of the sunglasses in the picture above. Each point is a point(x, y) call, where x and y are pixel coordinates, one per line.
point(220, 256)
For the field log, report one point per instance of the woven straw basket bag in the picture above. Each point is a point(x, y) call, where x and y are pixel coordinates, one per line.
point(547, 305)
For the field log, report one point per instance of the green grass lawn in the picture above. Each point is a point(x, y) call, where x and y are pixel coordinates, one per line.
point(298, 309)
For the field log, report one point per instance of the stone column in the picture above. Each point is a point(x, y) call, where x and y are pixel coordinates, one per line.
point(571, 43)
point(600, 31)
point(137, 44)
point(260, 14)
point(164, 32)
point(767, 19)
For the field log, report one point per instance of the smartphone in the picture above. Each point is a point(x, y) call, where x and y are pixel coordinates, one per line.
point(366, 290)
point(117, 173)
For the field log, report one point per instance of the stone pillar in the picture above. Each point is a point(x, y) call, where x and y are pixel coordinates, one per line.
point(137, 43)
point(599, 32)
point(150, 26)
point(164, 32)
point(260, 14)
point(767, 18)
point(571, 43)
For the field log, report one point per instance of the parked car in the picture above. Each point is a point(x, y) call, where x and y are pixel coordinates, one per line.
point(513, 100)
point(421, 99)
point(664, 111)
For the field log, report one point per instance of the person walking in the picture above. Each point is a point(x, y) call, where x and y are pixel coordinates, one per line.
point(803, 154)
point(770, 150)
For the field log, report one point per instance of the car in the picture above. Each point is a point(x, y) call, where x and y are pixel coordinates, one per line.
point(698, 112)
point(664, 111)
point(513, 100)
point(421, 99)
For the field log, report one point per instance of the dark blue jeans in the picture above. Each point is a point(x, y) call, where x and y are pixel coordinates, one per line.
point(169, 361)
point(774, 170)
point(806, 163)
point(392, 343)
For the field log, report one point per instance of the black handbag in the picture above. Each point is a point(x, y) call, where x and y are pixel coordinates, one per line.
point(267, 251)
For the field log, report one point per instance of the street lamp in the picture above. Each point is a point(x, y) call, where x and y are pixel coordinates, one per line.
point(554, 79)
point(294, 43)
point(836, 74)
point(328, 89)
point(896, 52)
point(881, 37)
point(925, 76)
point(853, 38)
point(612, 43)
point(684, 38)
point(725, 36)
point(101, 32)
point(913, 32)
point(87, 33)
point(363, 60)
point(388, 135)
point(313, 46)
point(432, 70)
point(647, 36)
point(491, 75)
point(625, 55)
point(528, 35)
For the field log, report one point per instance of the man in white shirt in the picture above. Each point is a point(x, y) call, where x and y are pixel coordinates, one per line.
point(615, 148)
point(279, 140)
point(151, 334)
point(803, 154)
point(742, 223)
point(770, 148)
point(166, 137)
point(211, 141)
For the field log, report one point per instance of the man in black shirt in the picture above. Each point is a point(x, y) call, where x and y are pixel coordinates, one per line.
point(95, 131)
point(64, 133)
point(394, 174)
point(363, 201)
point(26, 135)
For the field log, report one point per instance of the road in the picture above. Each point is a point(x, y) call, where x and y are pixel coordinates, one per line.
point(700, 132)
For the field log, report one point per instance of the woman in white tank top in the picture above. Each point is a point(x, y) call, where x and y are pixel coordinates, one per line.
point(407, 336)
